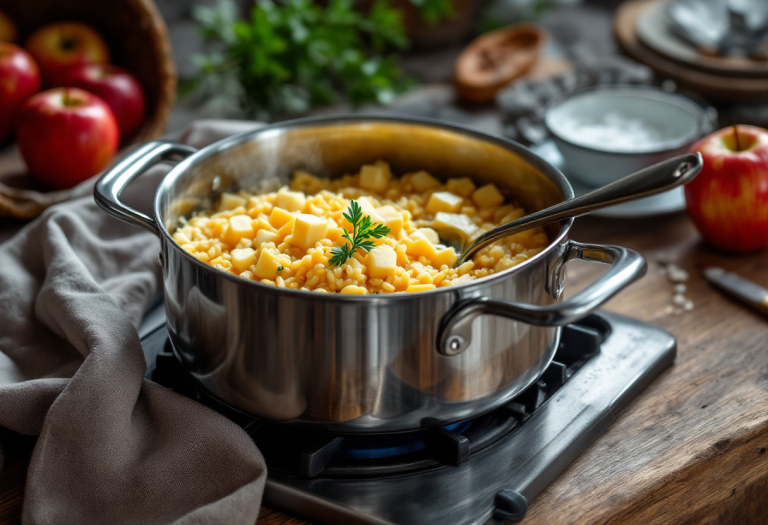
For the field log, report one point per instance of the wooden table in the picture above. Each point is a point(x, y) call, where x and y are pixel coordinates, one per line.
point(692, 448)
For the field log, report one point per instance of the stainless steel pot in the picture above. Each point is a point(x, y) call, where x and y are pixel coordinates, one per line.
point(375, 363)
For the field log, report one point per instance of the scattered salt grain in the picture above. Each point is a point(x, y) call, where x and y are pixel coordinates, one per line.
point(688, 306)
point(680, 288)
point(679, 299)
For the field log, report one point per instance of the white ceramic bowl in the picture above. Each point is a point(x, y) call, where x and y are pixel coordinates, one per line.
point(605, 133)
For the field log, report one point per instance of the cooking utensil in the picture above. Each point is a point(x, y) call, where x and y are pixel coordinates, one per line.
point(372, 363)
point(742, 289)
point(652, 180)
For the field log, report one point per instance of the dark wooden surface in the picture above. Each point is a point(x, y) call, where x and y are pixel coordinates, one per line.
point(692, 447)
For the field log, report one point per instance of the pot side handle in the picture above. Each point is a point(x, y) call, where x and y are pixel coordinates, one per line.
point(627, 266)
point(111, 184)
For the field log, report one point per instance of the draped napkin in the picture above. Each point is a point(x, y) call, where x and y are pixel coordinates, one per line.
point(112, 447)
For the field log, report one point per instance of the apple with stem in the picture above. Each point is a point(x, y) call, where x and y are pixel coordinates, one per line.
point(728, 201)
point(115, 86)
point(19, 80)
point(66, 135)
point(59, 46)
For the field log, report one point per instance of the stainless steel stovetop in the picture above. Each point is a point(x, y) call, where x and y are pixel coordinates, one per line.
point(484, 471)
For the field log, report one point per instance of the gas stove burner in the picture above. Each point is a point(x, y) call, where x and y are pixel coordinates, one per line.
point(483, 470)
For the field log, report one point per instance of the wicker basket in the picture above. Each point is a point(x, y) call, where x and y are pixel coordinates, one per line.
point(137, 39)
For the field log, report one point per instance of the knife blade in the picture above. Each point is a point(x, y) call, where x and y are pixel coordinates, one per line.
point(742, 289)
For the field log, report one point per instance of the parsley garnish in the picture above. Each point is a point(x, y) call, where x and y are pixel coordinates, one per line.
point(280, 268)
point(362, 229)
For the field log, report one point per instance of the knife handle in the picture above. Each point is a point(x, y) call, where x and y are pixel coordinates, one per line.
point(743, 289)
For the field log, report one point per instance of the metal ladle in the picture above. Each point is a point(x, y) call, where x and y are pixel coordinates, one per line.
point(652, 180)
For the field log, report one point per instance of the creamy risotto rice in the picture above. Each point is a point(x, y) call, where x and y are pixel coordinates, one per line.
point(285, 238)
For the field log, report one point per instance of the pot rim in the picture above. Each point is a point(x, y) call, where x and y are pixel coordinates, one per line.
point(177, 172)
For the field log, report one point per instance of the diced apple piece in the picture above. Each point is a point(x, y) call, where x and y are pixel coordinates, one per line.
point(307, 230)
point(430, 234)
point(420, 288)
point(353, 290)
point(243, 259)
point(290, 200)
point(267, 266)
point(463, 186)
point(488, 196)
point(280, 217)
point(455, 221)
point(230, 201)
point(423, 181)
point(381, 262)
point(265, 236)
point(445, 256)
point(444, 201)
point(239, 227)
point(391, 218)
point(375, 177)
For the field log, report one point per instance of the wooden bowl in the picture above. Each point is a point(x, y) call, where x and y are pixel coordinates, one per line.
point(495, 59)
point(137, 38)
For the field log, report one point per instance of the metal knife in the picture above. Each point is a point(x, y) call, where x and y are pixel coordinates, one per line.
point(743, 289)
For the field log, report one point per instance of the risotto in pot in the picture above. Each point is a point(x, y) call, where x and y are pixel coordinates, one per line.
point(358, 234)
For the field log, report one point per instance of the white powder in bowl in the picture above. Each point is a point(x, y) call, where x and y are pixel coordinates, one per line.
point(612, 131)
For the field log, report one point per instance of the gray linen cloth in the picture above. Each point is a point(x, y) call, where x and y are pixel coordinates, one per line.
point(112, 447)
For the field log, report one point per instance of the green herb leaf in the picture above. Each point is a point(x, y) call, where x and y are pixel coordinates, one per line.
point(280, 268)
point(363, 229)
point(292, 55)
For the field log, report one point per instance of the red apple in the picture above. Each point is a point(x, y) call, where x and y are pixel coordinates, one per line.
point(115, 86)
point(728, 201)
point(66, 135)
point(19, 80)
point(57, 47)
point(8, 31)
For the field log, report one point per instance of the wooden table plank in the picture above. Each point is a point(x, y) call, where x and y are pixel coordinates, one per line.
point(692, 447)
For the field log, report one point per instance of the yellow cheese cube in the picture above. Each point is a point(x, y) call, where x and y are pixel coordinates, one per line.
point(444, 201)
point(285, 231)
point(353, 290)
point(290, 200)
point(430, 234)
point(488, 196)
point(265, 236)
point(239, 227)
point(381, 262)
point(267, 266)
point(423, 181)
point(420, 288)
point(243, 259)
point(445, 256)
point(230, 201)
point(375, 178)
point(280, 217)
point(307, 230)
point(263, 224)
point(419, 245)
point(391, 218)
point(515, 214)
point(367, 208)
point(463, 186)
point(456, 222)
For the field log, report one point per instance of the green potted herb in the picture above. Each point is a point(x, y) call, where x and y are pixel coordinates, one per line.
point(292, 55)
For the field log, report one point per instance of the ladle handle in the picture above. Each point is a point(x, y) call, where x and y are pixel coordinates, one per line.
point(652, 180)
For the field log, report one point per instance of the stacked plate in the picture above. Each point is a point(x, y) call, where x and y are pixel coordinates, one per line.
point(718, 48)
